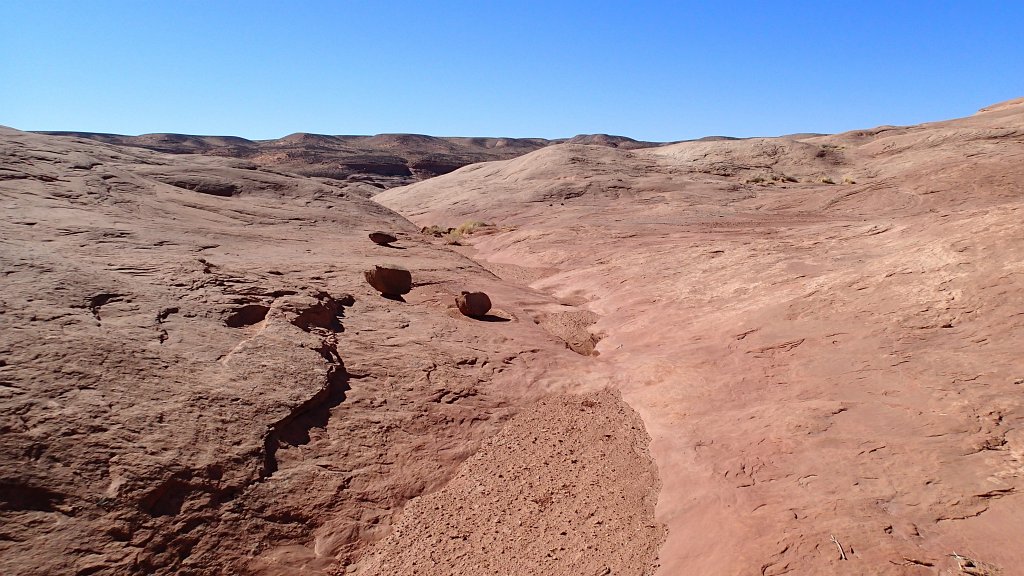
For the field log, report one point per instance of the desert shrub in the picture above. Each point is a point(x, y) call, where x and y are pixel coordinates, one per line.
point(471, 226)
point(849, 180)
point(453, 236)
point(435, 231)
point(770, 179)
point(827, 180)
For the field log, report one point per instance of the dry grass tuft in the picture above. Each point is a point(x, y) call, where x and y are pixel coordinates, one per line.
point(471, 226)
point(453, 236)
point(435, 231)
point(769, 179)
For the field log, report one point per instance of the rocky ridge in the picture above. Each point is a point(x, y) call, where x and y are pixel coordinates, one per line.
point(361, 164)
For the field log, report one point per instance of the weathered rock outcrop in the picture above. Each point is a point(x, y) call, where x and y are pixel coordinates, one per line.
point(197, 383)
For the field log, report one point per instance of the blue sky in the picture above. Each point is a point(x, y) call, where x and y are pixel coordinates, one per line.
point(649, 70)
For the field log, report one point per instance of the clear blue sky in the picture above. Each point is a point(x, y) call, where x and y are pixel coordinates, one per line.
point(650, 70)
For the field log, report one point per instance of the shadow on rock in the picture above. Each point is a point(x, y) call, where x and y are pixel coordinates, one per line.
point(490, 318)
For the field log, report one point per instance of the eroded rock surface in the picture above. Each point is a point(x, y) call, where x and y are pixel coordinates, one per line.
point(194, 382)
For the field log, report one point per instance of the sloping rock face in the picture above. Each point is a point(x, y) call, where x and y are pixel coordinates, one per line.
point(196, 379)
point(822, 334)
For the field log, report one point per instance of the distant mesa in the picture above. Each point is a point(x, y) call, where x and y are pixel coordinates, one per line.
point(610, 141)
point(362, 165)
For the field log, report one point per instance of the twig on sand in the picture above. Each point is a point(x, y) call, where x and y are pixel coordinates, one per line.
point(915, 562)
point(973, 567)
point(842, 553)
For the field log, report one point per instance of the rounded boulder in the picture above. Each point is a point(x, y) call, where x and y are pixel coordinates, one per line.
point(473, 304)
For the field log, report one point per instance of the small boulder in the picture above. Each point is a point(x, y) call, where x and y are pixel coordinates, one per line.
point(473, 304)
point(390, 280)
point(382, 238)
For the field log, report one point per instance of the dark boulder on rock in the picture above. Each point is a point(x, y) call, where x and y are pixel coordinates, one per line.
point(382, 238)
point(473, 304)
point(390, 280)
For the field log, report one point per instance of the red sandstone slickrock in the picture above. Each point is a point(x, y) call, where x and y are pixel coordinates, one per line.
point(764, 356)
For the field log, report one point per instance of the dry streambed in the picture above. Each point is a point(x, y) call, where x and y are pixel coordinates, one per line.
point(828, 367)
